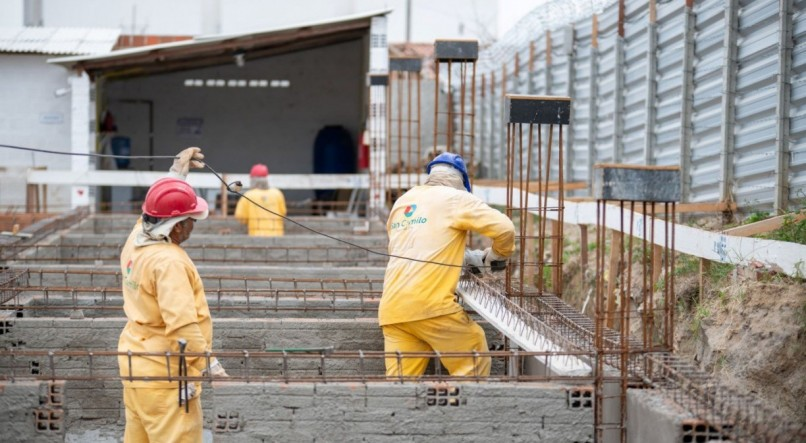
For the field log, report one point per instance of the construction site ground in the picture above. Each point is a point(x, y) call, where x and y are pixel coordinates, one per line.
point(749, 329)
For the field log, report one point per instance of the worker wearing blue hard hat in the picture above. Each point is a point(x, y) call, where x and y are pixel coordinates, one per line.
point(418, 311)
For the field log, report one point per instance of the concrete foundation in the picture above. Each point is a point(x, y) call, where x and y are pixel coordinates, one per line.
point(655, 418)
point(343, 412)
point(75, 304)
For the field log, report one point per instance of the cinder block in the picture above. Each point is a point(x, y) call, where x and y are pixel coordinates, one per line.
point(405, 64)
point(456, 50)
point(636, 183)
point(534, 109)
point(378, 80)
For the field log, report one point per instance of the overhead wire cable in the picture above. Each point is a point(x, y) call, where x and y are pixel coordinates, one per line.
point(234, 191)
point(385, 254)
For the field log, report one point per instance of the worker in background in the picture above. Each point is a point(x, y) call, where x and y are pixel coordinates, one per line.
point(261, 223)
point(418, 311)
point(163, 298)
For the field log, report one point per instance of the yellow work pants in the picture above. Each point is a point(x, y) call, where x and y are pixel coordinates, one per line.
point(154, 416)
point(447, 333)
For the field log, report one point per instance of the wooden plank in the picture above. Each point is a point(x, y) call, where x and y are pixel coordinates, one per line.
point(616, 240)
point(763, 226)
point(783, 257)
point(7, 221)
point(199, 180)
point(642, 167)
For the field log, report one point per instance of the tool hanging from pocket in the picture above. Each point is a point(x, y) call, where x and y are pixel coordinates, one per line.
point(183, 373)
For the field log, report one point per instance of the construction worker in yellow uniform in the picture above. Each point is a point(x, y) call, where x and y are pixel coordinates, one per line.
point(418, 311)
point(163, 298)
point(260, 222)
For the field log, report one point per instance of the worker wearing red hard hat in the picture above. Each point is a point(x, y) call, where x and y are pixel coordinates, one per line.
point(418, 311)
point(164, 302)
point(261, 223)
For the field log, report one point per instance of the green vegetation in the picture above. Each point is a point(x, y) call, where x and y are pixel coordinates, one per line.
point(791, 230)
point(686, 264)
point(700, 314)
point(756, 216)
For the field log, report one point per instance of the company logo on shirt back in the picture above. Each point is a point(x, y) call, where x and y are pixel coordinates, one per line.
point(127, 280)
point(409, 220)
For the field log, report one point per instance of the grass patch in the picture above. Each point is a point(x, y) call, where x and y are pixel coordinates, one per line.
point(790, 231)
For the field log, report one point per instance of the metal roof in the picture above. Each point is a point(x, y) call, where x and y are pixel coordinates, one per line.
point(59, 41)
point(219, 49)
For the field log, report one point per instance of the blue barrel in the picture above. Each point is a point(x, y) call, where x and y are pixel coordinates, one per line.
point(121, 146)
point(333, 153)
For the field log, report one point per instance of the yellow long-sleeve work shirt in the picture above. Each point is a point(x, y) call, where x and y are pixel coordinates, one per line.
point(262, 223)
point(163, 298)
point(431, 223)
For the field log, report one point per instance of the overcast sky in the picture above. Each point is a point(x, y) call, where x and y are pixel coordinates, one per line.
point(482, 19)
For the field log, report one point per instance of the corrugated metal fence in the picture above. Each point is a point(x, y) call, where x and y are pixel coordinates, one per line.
point(716, 86)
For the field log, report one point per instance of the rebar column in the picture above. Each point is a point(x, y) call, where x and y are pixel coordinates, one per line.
point(377, 128)
point(458, 133)
point(526, 199)
point(641, 242)
point(405, 134)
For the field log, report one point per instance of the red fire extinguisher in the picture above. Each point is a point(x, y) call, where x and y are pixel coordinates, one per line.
point(363, 151)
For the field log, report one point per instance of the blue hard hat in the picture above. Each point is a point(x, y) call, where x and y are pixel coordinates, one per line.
point(454, 160)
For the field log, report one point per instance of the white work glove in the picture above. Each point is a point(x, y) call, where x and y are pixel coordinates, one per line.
point(191, 392)
point(189, 158)
point(215, 369)
point(494, 262)
point(474, 260)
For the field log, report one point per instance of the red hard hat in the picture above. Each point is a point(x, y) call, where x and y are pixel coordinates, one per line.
point(259, 170)
point(172, 197)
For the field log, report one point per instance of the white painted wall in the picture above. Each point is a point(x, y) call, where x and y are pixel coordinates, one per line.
point(243, 126)
point(32, 116)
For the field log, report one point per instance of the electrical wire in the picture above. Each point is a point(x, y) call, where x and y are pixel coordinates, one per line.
point(88, 154)
point(234, 191)
point(371, 251)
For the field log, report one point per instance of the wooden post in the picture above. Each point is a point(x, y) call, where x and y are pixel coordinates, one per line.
point(32, 198)
point(224, 197)
point(616, 240)
point(583, 247)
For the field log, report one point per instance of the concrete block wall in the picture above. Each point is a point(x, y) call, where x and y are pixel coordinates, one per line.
point(655, 418)
point(229, 333)
point(100, 254)
point(105, 223)
point(343, 412)
point(390, 412)
point(116, 238)
point(32, 411)
point(64, 275)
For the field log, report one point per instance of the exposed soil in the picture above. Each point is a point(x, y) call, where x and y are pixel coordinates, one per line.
point(750, 334)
